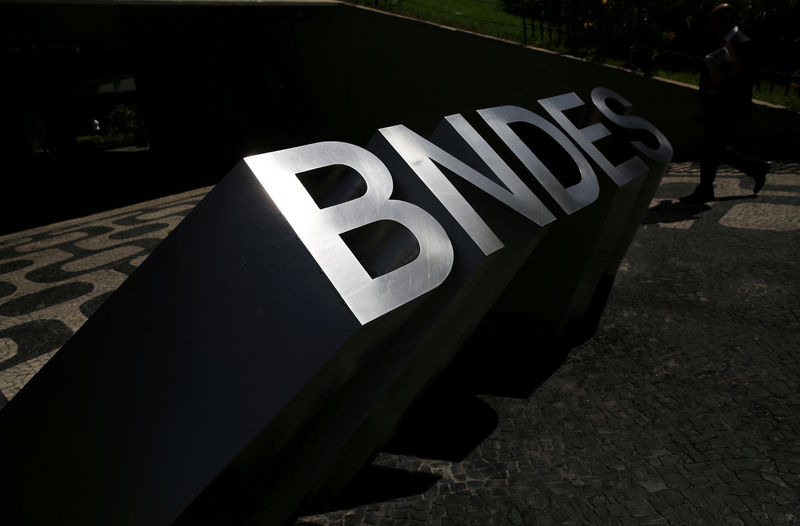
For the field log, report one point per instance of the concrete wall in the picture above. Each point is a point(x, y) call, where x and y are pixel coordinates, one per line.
point(389, 70)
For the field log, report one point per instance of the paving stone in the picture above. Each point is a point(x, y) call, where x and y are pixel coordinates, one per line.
point(653, 520)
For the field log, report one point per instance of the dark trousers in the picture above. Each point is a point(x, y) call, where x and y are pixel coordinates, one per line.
point(718, 135)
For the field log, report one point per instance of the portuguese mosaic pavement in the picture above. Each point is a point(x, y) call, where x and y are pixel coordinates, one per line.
point(683, 409)
point(53, 278)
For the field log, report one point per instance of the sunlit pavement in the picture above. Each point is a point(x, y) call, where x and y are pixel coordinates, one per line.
point(683, 409)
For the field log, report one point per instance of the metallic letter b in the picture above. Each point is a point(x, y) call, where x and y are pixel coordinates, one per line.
point(320, 229)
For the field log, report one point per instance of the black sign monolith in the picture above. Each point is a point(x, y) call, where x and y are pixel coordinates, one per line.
point(270, 344)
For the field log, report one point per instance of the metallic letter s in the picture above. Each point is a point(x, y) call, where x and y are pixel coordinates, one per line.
point(585, 137)
point(664, 151)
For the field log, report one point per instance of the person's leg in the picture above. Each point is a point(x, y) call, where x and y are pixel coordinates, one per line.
point(711, 157)
point(752, 166)
point(714, 139)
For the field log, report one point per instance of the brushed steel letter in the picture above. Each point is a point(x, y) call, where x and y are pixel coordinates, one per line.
point(570, 199)
point(521, 198)
point(320, 229)
point(420, 154)
point(585, 137)
point(664, 151)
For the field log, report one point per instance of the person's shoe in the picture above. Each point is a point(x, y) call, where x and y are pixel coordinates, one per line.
point(760, 177)
point(699, 196)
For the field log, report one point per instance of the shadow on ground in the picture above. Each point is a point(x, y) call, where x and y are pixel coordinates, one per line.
point(450, 420)
point(669, 211)
point(379, 484)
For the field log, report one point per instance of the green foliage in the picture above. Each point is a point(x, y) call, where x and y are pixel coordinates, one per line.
point(120, 127)
point(782, 94)
point(122, 118)
point(105, 142)
point(521, 8)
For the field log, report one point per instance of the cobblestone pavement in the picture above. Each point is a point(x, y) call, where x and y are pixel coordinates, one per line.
point(684, 408)
point(53, 278)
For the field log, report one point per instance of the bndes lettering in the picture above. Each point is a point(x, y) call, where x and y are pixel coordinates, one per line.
point(320, 229)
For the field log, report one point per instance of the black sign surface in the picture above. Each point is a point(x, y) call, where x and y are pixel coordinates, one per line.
point(267, 348)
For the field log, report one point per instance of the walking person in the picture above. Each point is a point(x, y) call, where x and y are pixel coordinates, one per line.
point(726, 94)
